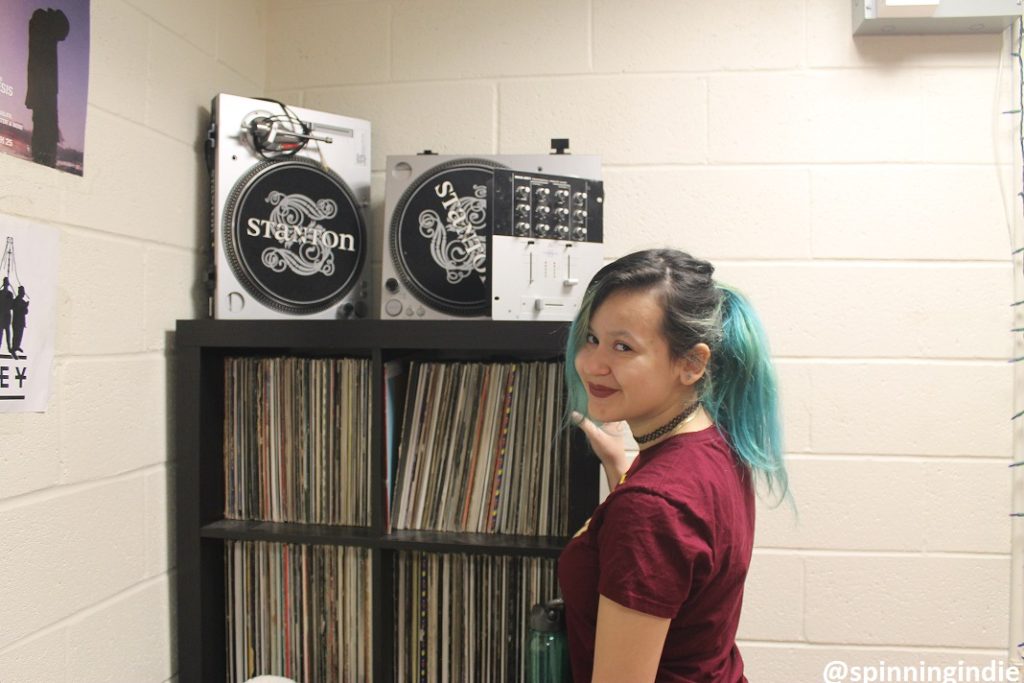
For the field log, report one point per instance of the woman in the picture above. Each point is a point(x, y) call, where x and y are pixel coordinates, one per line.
point(653, 583)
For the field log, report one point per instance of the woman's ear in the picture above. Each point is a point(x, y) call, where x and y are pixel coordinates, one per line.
point(694, 363)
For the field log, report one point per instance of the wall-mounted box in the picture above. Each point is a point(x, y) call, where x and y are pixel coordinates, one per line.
point(907, 17)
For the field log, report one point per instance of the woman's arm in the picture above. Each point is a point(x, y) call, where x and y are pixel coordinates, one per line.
point(628, 645)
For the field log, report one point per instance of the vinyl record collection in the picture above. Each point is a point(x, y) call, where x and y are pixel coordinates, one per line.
point(296, 443)
point(483, 450)
point(464, 617)
point(299, 611)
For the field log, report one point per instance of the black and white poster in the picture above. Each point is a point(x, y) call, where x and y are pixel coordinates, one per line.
point(28, 313)
point(44, 81)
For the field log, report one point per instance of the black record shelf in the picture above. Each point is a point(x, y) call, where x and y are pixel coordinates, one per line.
point(201, 347)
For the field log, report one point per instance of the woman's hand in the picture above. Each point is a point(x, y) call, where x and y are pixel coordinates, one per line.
point(609, 444)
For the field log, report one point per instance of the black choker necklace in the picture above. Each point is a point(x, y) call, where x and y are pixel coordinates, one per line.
point(676, 421)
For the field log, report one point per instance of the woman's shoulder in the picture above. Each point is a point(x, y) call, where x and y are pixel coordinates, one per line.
point(696, 470)
point(687, 459)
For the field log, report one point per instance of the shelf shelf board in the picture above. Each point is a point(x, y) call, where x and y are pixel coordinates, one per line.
point(289, 532)
point(363, 335)
point(440, 541)
point(406, 539)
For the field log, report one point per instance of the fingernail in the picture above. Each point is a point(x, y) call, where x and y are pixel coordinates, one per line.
point(576, 417)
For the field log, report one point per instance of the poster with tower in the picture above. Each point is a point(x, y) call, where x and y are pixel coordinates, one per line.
point(44, 81)
point(28, 307)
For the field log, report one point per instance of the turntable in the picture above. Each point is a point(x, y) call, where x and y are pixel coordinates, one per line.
point(503, 237)
point(289, 191)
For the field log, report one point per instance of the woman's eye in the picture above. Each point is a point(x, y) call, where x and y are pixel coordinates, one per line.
point(591, 339)
point(619, 346)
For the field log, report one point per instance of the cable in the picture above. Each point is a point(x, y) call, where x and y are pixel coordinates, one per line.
point(997, 142)
point(263, 134)
point(1020, 98)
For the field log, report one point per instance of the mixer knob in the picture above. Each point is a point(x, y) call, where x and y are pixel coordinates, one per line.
point(579, 232)
point(562, 231)
point(580, 198)
point(543, 229)
point(541, 193)
point(523, 193)
point(523, 210)
point(562, 215)
point(579, 215)
point(522, 228)
point(542, 212)
point(561, 196)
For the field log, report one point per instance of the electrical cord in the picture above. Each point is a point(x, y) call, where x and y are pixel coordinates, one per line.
point(264, 142)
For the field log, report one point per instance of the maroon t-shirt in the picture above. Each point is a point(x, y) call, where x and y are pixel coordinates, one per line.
point(673, 540)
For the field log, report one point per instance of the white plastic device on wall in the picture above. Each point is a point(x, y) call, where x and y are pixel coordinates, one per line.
point(906, 8)
point(910, 17)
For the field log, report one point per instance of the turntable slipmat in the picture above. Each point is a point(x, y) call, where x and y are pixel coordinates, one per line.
point(439, 233)
point(294, 235)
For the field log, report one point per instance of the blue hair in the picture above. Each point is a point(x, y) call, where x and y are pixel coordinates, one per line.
point(739, 389)
point(741, 393)
point(576, 400)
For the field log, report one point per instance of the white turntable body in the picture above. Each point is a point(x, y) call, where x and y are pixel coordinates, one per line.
point(526, 275)
point(301, 241)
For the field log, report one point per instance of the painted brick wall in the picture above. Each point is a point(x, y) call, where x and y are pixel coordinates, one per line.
point(850, 187)
point(86, 572)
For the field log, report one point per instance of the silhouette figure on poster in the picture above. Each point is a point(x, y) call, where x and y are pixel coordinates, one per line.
point(19, 314)
point(46, 28)
point(6, 309)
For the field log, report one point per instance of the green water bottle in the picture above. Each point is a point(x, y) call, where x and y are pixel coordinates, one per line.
point(548, 649)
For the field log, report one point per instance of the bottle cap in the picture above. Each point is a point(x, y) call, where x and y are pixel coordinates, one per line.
point(548, 617)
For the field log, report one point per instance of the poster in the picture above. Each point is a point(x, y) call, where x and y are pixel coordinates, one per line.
point(28, 313)
point(44, 81)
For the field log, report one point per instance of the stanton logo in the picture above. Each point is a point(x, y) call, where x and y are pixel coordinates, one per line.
point(295, 222)
point(466, 252)
point(284, 233)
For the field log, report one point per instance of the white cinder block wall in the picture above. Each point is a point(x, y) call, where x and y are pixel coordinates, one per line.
point(848, 186)
point(86, 575)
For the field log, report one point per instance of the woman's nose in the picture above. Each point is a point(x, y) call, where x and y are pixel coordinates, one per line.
point(591, 362)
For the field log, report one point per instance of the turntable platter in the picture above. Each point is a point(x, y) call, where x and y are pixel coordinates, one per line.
point(294, 235)
point(440, 236)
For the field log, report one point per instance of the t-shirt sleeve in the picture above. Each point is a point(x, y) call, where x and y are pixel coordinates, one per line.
point(650, 553)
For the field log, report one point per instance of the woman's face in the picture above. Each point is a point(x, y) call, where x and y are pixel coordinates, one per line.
point(626, 367)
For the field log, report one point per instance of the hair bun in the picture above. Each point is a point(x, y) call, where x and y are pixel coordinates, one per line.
point(703, 267)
